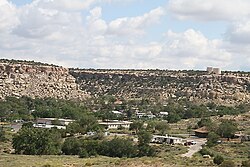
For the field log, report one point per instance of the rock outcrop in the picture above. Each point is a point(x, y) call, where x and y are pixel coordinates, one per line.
point(35, 80)
point(159, 85)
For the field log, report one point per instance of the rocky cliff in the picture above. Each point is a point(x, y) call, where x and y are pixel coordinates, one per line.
point(37, 80)
point(21, 78)
point(159, 85)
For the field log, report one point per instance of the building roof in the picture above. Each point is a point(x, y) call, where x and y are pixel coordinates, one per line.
point(48, 126)
point(59, 119)
point(115, 123)
point(166, 137)
point(202, 130)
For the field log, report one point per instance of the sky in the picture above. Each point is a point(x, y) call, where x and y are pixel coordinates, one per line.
point(128, 34)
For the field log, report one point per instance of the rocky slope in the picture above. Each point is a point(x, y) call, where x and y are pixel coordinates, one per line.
point(228, 88)
point(37, 80)
point(19, 78)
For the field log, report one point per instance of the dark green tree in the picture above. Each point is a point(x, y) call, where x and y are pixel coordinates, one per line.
point(144, 138)
point(32, 141)
point(205, 122)
point(173, 118)
point(89, 123)
point(162, 127)
point(118, 147)
point(71, 146)
point(212, 139)
point(218, 159)
point(137, 126)
point(74, 128)
point(91, 146)
point(227, 129)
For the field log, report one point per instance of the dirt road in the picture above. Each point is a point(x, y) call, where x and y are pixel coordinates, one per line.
point(194, 148)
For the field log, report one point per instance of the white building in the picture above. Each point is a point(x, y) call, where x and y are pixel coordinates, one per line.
point(163, 114)
point(166, 139)
point(48, 126)
point(217, 71)
point(115, 124)
point(212, 70)
point(117, 112)
point(49, 121)
point(209, 70)
point(145, 115)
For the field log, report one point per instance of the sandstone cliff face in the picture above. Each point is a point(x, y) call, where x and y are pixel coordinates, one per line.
point(157, 85)
point(38, 81)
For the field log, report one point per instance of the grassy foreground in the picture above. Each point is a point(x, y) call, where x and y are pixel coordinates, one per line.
point(164, 160)
point(7, 160)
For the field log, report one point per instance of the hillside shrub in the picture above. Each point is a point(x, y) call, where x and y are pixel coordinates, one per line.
point(228, 163)
point(246, 163)
point(218, 159)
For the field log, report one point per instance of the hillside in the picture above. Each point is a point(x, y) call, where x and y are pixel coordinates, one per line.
point(24, 78)
point(34, 79)
point(159, 85)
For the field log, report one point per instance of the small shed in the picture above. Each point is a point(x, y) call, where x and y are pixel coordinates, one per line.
point(201, 132)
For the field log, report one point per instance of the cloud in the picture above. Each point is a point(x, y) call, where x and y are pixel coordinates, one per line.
point(191, 49)
point(209, 10)
point(61, 33)
point(8, 18)
point(39, 21)
point(239, 32)
point(64, 5)
point(95, 23)
point(135, 25)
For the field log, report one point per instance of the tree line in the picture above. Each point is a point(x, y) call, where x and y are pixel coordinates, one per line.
point(37, 141)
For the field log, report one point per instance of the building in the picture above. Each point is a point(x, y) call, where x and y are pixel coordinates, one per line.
point(163, 114)
point(201, 132)
point(212, 70)
point(209, 70)
point(217, 71)
point(48, 126)
point(166, 139)
point(51, 121)
point(145, 115)
point(115, 124)
point(117, 112)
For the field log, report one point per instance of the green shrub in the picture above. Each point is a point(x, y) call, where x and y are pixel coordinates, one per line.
point(205, 151)
point(118, 147)
point(71, 146)
point(218, 159)
point(227, 163)
point(83, 154)
point(246, 163)
point(47, 165)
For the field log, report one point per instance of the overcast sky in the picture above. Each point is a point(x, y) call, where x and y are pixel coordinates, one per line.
point(163, 34)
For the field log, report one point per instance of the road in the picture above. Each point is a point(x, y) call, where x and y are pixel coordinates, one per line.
point(194, 148)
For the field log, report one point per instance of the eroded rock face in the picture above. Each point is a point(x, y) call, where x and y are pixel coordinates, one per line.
point(38, 81)
point(229, 88)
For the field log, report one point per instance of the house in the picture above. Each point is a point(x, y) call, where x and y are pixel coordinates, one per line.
point(48, 126)
point(201, 132)
point(163, 114)
point(145, 115)
point(117, 112)
point(243, 137)
point(51, 121)
point(115, 124)
point(140, 114)
point(166, 139)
